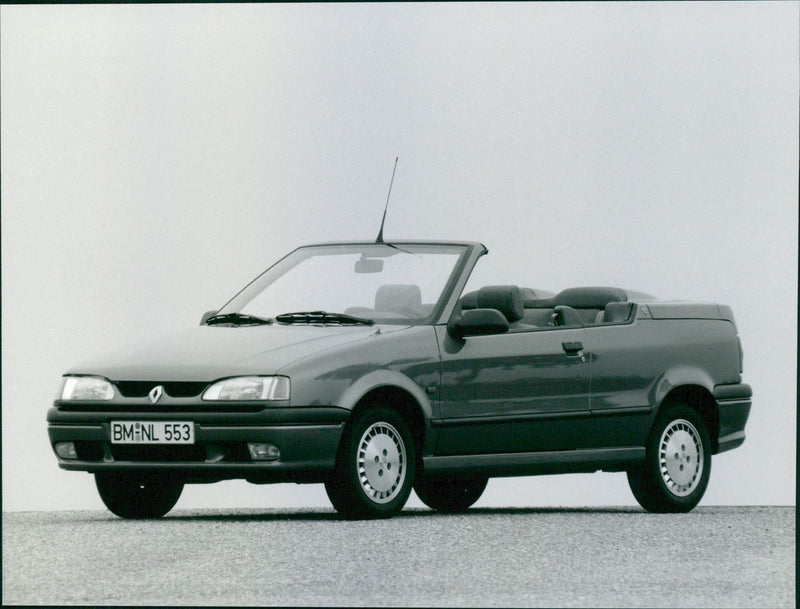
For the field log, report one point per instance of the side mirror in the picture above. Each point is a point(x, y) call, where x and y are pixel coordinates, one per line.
point(478, 322)
point(206, 315)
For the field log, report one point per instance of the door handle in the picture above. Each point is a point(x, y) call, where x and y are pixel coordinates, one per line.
point(574, 349)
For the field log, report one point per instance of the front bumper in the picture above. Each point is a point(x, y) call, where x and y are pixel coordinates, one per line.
point(734, 408)
point(307, 437)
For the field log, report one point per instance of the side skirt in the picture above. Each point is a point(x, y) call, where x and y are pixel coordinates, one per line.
point(530, 464)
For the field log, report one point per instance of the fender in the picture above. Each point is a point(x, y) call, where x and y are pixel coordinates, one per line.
point(384, 378)
point(678, 376)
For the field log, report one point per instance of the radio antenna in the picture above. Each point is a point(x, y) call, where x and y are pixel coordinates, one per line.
point(380, 233)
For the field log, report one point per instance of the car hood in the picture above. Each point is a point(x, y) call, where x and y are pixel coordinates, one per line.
point(207, 353)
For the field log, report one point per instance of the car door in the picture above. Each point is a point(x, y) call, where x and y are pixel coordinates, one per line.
point(519, 391)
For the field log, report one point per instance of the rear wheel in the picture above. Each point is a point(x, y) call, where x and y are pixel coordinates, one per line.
point(375, 466)
point(138, 495)
point(449, 493)
point(677, 465)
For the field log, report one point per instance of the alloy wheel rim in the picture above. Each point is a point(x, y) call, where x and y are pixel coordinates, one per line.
point(381, 462)
point(680, 457)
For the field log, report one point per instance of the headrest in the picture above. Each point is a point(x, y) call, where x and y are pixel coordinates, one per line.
point(616, 312)
point(589, 298)
point(567, 316)
point(469, 300)
point(505, 298)
point(537, 294)
point(396, 296)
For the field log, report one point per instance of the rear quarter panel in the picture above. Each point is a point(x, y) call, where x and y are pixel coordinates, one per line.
point(635, 366)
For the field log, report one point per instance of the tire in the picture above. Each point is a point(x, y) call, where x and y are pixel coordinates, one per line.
point(677, 465)
point(375, 467)
point(137, 496)
point(449, 493)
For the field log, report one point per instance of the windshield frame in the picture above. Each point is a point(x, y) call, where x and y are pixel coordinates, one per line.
point(470, 251)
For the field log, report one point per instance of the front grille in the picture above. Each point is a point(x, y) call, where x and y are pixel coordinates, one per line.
point(89, 451)
point(217, 452)
point(147, 408)
point(175, 389)
point(149, 452)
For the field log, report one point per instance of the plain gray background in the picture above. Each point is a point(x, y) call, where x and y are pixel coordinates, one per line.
point(157, 158)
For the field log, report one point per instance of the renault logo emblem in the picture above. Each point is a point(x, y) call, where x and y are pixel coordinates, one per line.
point(156, 393)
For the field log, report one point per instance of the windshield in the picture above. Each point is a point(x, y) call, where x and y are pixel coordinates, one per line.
point(380, 283)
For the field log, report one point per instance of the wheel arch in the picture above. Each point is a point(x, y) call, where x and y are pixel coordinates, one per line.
point(701, 400)
point(405, 404)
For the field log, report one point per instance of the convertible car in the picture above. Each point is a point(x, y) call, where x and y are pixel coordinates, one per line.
point(375, 368)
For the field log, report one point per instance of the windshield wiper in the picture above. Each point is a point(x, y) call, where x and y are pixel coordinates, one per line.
point(237, 319)
point(322, 317)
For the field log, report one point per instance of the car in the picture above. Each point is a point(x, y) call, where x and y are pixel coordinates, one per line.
point(375, 368)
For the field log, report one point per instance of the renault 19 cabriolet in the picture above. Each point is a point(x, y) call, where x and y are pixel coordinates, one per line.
point(369, 368)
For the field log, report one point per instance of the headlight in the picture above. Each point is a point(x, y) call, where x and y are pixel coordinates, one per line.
point(86, 388)
point(250, 388)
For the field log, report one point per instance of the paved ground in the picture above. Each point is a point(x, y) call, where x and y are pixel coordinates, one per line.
point(712, 557)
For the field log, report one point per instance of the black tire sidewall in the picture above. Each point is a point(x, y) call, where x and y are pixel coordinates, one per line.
point(650, 481)
point(123, 496)
point(345, 490)
point(449, 493)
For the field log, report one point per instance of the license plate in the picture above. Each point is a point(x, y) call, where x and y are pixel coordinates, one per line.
point(152, 432)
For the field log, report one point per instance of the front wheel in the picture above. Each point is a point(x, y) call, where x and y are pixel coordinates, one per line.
point(137, 495)
point(677, 465)
point(375, 466)
point(449, 493)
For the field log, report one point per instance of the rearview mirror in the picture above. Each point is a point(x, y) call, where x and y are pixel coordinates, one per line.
point(478, 322)
point(368, 265)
